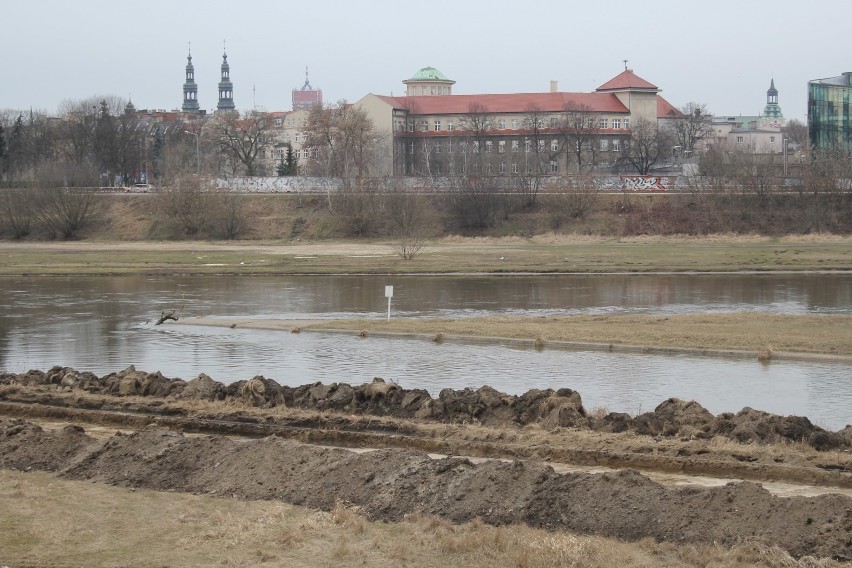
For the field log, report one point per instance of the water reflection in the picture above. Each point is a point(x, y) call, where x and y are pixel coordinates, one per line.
point(99, 324)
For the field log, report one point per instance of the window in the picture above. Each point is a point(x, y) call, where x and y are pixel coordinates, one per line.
point(476, 146)
point(514, 124)
point(541, 146)
point(616, 145)
point(422, 90)
point(449, 145)
point(424, 125)
point(489, 145)
point(489, 169)
point(437, 125)
point(501, 146)
point(433, 90)
point(604, 144)
point(514, 145)
point(602, 123)
point(411, 126)
point(514, 167)
point(437, 146)
point(298, 137)
point(554, 145)
point(502, 167)
point(436, 167)
point(627, 123)
point(277, 122)
point(501, 124)
point(772, 140)
point(450, 125)
point(411, 147)
point(527, 145)
point(554, 167)
point(590, 122)
point(739, 139)
point(616, 123)
point(553, 123)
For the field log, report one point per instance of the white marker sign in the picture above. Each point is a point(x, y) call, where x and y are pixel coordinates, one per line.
point(389, 295)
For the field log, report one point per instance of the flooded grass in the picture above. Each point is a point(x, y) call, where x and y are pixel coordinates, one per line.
point(744, 331)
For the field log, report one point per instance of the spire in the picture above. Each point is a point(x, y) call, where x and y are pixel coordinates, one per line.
point(307, 85)
point(226, 87)
point(190, 88)
point(772, 109)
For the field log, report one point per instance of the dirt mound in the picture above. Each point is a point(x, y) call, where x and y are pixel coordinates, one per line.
point(24, 446)
point(389, 484)
point(485, 405)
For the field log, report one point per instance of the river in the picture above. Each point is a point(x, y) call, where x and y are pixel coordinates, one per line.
point(104, 324)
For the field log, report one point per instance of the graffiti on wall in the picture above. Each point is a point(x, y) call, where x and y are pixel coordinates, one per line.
point(644, 183)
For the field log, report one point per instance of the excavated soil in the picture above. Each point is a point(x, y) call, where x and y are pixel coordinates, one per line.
point(257, 450)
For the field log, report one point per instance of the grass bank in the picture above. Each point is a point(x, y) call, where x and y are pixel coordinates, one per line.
point(52, 522)
point(549, 253)
point(767, 334)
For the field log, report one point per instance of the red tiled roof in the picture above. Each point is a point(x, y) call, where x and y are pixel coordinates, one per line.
point(506, 103)
point(627, 80)
point(666, 110)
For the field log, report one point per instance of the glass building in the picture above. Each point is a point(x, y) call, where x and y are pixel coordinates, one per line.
point(829, 114)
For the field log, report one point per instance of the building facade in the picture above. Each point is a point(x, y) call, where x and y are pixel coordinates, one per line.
point(829, 113)
point(431, 132)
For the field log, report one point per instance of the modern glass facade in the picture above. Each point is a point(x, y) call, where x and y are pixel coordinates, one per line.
point(829, 113)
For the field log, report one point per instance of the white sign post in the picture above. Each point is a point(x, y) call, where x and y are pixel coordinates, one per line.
point(389, 295)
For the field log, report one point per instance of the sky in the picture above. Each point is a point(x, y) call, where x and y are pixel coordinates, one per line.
point(722, 54)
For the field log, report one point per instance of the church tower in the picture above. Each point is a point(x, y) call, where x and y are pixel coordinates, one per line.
point(190, 88)
point(307, 97)
point(772, 109)
point(226, 88)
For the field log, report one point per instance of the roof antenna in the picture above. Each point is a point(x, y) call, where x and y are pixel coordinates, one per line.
point(625, 64)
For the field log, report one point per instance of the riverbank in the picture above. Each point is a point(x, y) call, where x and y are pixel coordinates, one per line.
point(549, 253)
point(765, 336)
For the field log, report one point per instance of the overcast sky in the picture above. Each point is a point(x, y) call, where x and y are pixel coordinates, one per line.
point(720, 53)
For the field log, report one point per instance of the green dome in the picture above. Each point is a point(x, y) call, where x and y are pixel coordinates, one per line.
point(429, 74)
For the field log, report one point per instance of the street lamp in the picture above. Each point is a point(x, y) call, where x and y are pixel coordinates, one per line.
point(784, 142)
point(197, 152)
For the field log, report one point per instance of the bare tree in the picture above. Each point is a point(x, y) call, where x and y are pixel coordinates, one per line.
point(410, 216)
point(63, 211)
point(242, 139)
point(344, 141)
point(16, 212)
point(797, 133)
point(187, 203)
point(648, 143)
point(579, 131)
point(695, 125)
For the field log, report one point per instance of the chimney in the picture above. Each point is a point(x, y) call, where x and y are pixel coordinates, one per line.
point(554, 86)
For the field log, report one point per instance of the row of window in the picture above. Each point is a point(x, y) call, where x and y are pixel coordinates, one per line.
point(438, 145)
point(424, 125)
point(502, 168)
point(433, 90)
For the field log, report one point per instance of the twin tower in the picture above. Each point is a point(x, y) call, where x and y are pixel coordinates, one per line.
point(190, 88)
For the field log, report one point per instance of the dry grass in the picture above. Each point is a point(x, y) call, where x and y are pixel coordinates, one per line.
point(50, 522)
point(748, 332)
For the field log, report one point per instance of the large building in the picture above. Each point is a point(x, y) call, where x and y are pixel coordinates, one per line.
point(431, 131)
point(829, 112)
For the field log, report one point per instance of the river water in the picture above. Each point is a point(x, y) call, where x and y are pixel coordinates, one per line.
point(103, 324)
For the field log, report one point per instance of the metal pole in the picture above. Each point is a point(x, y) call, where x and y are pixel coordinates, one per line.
point(389, 302)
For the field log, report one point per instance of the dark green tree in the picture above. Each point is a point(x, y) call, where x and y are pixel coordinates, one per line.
point(292, 162)
point(282, 168)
